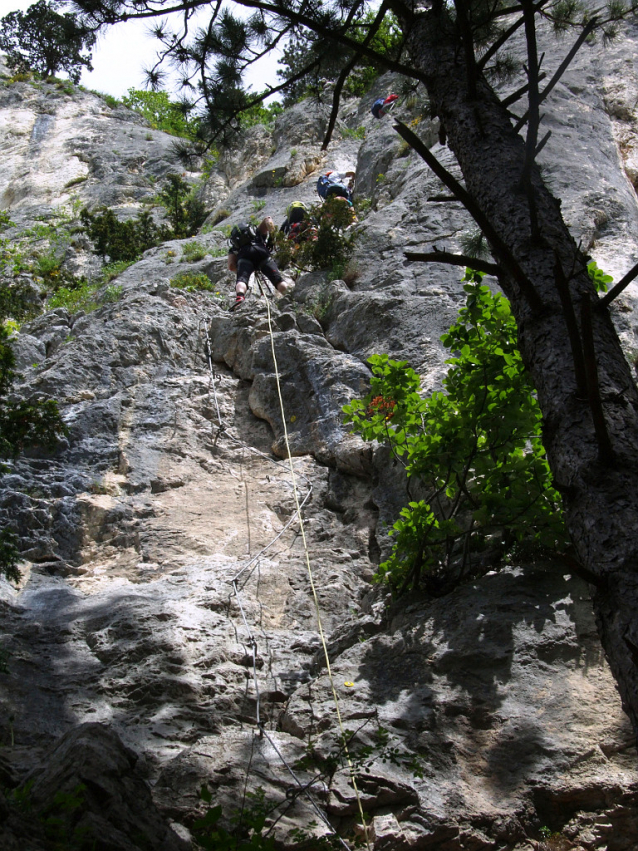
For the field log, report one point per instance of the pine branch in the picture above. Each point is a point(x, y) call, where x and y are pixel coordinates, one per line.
point(449, 259)
point(333, 35)
point(255, 101)
point(468, 47)
point(513, 10)
point(560, 70)
point(605, 449)
point(543, 142)
point(496, 46)
point(533, 67)
point(518, 94)
point(500, 41)
point(616, 290)
point(336, 99)
point(280, 11)
point(179, 43)
point(508, 261)
point(110, 16)
point(562, 285)
point(568, 59)
point(343, 76)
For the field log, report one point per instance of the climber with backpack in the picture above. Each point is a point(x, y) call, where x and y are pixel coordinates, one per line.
point(298, 226)
point(296, 213)
point(249, 252)
point(332, 184)
point(382, 106)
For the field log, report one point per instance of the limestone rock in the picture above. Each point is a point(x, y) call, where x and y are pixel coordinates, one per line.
point(58, 145)
point(220, 762)
point(304, 124)
point(165, 591)
point(246, 154)
point(454, 682)
point(91, 764)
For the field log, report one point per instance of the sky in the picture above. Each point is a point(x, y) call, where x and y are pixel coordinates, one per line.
point(122, 53)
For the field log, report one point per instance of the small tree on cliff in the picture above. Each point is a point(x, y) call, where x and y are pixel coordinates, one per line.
point(455, 49)
point(43, 41)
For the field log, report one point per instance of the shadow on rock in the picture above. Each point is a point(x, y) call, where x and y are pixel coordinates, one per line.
point(482, 694)
point(87, 793)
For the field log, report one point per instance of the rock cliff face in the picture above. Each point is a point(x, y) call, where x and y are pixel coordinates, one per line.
point(136, 667)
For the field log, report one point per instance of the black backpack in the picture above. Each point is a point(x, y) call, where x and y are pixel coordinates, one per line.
point(241, 235)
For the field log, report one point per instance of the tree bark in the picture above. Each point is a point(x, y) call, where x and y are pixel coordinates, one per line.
point(600, 494)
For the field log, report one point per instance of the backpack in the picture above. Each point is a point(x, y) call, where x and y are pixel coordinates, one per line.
point(327, 186)
point(296, 212)
point(377, 108)
point(383, 105)
point(241, 235)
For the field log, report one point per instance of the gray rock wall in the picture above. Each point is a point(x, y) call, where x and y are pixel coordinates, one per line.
point(489, 714)
point(58, 145)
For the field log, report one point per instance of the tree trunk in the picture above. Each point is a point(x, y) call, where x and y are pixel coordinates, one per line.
point(600, 492)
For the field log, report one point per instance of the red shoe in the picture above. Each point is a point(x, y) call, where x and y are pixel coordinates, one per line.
point(239, 300)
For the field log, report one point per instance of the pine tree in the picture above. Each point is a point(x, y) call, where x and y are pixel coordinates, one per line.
point(455, 50)
point(44, 42)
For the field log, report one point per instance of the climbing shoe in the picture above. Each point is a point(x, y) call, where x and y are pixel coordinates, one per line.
point(239, 300)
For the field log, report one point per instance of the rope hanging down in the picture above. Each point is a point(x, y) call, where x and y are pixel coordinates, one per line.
point(344, 737)
point(239, 581)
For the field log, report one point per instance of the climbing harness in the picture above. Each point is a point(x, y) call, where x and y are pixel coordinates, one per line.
point(243, 575)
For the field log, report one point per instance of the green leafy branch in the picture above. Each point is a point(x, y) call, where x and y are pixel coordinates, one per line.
point(245, 830)
point(472, 451)
point(128, 240)
point(327, 241)
point(350, 753)
point(600, 279)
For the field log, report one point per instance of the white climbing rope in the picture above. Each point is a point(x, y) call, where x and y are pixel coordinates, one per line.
point(344, 737)
point(239, 580)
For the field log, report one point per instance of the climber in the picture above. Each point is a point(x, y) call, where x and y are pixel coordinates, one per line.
point(332, 184)
point(298, 226)
point(249, 252)
point(381, 106)
point(296, 213)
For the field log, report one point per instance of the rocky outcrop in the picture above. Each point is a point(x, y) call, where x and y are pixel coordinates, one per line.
point(86, 790)
point(61, 143)
point(479, 718)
